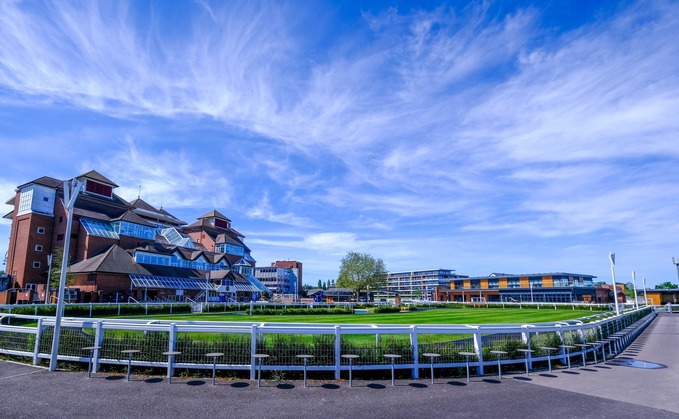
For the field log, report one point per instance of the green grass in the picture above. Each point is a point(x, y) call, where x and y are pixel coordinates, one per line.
point(431, 316)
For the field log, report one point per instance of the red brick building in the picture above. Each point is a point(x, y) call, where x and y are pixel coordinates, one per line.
point(121, 248)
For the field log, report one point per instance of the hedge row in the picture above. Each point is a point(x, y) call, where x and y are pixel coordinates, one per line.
point(103, 310)
point(301, 311)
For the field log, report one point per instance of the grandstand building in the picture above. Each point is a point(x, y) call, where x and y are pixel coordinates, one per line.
point(122, 249)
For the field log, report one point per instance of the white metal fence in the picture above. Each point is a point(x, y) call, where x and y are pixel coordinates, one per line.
point(239, 341)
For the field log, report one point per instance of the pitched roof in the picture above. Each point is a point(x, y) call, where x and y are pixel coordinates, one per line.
point(44, 181)
point(140, 203)
point(91, 214)
point(94, 175)
point(214, 214)
point(131, 217)
point(112, 260)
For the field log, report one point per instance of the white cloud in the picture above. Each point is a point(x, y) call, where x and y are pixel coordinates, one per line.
point(172, 178)
point(264, 210)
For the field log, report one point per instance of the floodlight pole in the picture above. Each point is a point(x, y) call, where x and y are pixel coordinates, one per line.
point(634, 282)
point(611, 256)
point(69, 200)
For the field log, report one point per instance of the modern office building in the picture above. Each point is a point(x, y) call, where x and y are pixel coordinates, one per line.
point(120, 248)
point(277, 279)
point(419, 284)
point(540, 287)
point(296, 270)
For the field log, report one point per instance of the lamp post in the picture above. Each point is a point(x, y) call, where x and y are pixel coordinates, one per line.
point(49, 276)
point(69, 200)
point(611, 257)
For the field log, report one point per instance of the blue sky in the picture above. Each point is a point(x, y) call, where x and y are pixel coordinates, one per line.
point(484, 137)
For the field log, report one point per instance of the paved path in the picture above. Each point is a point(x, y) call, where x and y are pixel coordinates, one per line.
point(658, 388)
point(611, 392)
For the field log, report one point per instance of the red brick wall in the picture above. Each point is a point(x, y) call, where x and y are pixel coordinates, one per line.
point(24, 238)
point(102, 282)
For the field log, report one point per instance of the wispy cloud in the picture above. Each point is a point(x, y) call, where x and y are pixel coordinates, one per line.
point(172, 179)
point(264, 210)
point(457, 120)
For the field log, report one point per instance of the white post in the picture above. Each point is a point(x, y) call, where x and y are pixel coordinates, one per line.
point(414, 338)
point(645, 298)
point(531, 292)
point(69, 200)
point(634, 283)
point(611, 256)
point(49, 276)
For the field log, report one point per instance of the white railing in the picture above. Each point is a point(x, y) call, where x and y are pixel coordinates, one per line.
point(327, 342)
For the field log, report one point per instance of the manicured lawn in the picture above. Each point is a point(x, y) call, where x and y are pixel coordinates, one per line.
point(429, 316)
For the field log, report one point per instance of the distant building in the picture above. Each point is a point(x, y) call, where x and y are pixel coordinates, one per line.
point(277, 279)
point(296, 269)
point(662, 297)
point(540, 287)
point(122, 249)
point(422, 283)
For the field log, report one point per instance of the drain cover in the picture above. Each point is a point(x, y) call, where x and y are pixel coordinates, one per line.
point(635, 363)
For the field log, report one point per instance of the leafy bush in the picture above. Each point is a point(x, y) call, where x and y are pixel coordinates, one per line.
point(387, 309)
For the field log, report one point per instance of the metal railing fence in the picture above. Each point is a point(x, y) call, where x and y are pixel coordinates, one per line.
point(239, 341)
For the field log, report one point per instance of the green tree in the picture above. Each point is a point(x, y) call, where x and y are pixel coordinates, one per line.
point(320, 284)
point(666, 286)
point(55, 274)
point(358, 271)
point(629, 290)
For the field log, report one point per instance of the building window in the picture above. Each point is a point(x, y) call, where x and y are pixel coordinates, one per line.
point(60, 237)
point(98, 188)
point(38, 248)
point(41, 230)
point(36, 265)
point(61, 219)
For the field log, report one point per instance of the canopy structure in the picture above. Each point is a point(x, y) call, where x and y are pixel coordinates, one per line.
point(148, 281)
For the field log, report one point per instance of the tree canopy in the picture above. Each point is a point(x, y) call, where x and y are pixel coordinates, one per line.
point(666, 286)
point(55, 274)
point(358, 271)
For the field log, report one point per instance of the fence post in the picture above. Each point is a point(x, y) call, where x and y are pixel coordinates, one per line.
point(253, 350)
point(171, 345)
point(416, 352)
point(525, 337)
point(98, 341)
point(478, 348)
point(338, 351)
point(38, 335)
point(562, 351)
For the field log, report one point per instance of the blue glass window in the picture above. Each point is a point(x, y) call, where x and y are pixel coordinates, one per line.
point(98, 228)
